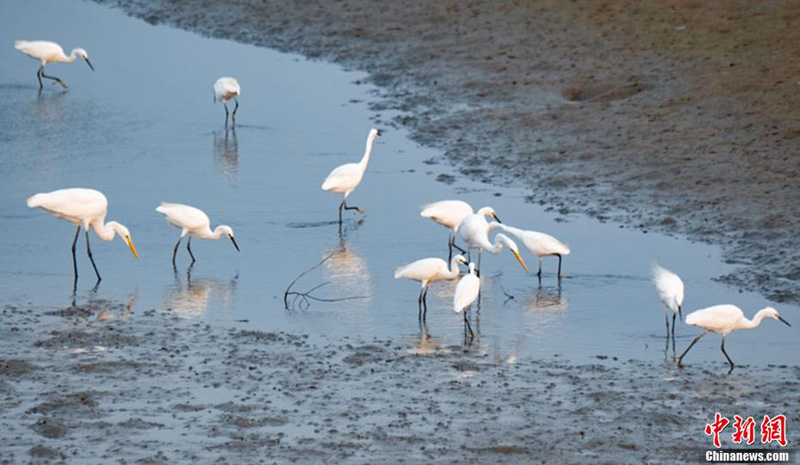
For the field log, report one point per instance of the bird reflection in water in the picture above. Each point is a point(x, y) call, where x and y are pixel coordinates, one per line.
point(348, 271)
point(226, 154)
point(191, 299)
point(548, 299)
point(425, 344)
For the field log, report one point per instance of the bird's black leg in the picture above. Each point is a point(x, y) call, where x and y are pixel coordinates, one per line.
point(419, 303)
point(189, 248)
point(673, 329)
point(74, 260)
point(559, 266)
point(453, 243)
point(539, 273)
point(225, 105)
point(466, 322)
point(54, 78)
point(39, 77)
point(478, 268)
point(425, 304)
point(341, 206)
point(344, 202)
point(233, 115)
point(666, 321)
point(680, 359)
point(450, 248)
point(89, 251)
point(175, 250)
point(726, 355)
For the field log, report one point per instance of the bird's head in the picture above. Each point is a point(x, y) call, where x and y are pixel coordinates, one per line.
point(124, 234)
point(461, 260)
point(489, 211)
point(770, 312)
point(83, 54)
point(374, 133)
point(228, 231)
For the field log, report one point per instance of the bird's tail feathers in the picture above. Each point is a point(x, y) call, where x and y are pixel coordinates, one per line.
point(18, 44)
point(35, 201)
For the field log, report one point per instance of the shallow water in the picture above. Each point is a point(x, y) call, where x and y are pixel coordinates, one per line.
point(143, 129)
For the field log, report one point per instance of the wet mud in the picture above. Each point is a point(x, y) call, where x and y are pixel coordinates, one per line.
point(166, 389)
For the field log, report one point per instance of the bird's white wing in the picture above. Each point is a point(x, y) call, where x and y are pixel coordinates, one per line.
point(344, 176)
point(421, 270)
point(466, 292)
point(668, 284)
point(39, 49)
point(447, 212)
point(716, 318)
point(184, 216)
point(226, 87)
point(72, 204)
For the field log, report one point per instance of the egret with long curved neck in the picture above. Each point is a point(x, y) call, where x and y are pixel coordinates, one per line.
point(722, 319)
point(475, 232)
point(345, 178)
point(193, 222)
point(50, 52)
point(426, 271)
point(85, 208)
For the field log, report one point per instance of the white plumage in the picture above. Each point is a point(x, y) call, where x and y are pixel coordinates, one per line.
point(475, 231)
point(426, 271)
point(345, 178)
point(540, 244)
point(450, 214)
point(670, 291)
point(722, 319)
point(194, 222)
point(227, 88)
point(85, 208)
point(467, 291)
point(49, 52)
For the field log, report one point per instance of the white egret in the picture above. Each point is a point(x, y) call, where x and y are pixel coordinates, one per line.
point(85, 208)
point(467, 291)
point(345, 178)
point(227, 88)
point(670, 290)
point(448, 213)
point(722, 319)
point(475, 232)
point(540, 244)
point(50, 52)
point(194, 222)
point(426, 271)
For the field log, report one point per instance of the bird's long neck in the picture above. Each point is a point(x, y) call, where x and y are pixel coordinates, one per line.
point(69, 59)
point(214, 235)
point(508, 229)
point(105, 232)
point(750, 324)
point(367, 152)
point(454, 271)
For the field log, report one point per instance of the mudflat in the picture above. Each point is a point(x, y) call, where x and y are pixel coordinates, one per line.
point(675, 116)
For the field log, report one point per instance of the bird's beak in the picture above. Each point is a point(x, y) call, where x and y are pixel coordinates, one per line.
point(494, 215)
point(380, 132)
point(784, 321)
point(130, 245)
point(519, 259)
point(235, 244)
point(89, 63)
point(680, 312)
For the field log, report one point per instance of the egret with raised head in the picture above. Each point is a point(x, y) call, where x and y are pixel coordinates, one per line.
point(345, 178)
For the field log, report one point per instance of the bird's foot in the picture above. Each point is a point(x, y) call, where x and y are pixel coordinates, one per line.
point(63, 84)
point(358, 209)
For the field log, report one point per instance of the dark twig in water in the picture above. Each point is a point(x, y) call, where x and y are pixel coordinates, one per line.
point(303, 299)
point(508, 296)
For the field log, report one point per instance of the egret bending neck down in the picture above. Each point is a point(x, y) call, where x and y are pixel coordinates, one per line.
point(50, 52)
point(426, 271)
point(194, 222)
point(495, 248)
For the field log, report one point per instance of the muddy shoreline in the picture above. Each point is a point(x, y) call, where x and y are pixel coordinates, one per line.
point(678, 117)
point(99, 382)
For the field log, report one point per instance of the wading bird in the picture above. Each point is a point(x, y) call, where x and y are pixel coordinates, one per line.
point(194, 222)
point(670, 290)
point(475, 232)
point(448, 213)
point(426, 271)
point(50, 52)
point(467, 291)
point(345, 178)
point(540, 244)
point(722, 319)
point(85, 208)
point(227, 88)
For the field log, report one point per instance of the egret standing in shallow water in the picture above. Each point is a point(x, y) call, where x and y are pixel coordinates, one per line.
point(227, 88)
point(345, 178)
point(540, 244)
point(670, 290)
point(50, 52)
point(194, 222)
point(475, 232)
point(722, 319)
point(85, 208)
point(426, 271)
point(450, 214)
point(467, 291)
